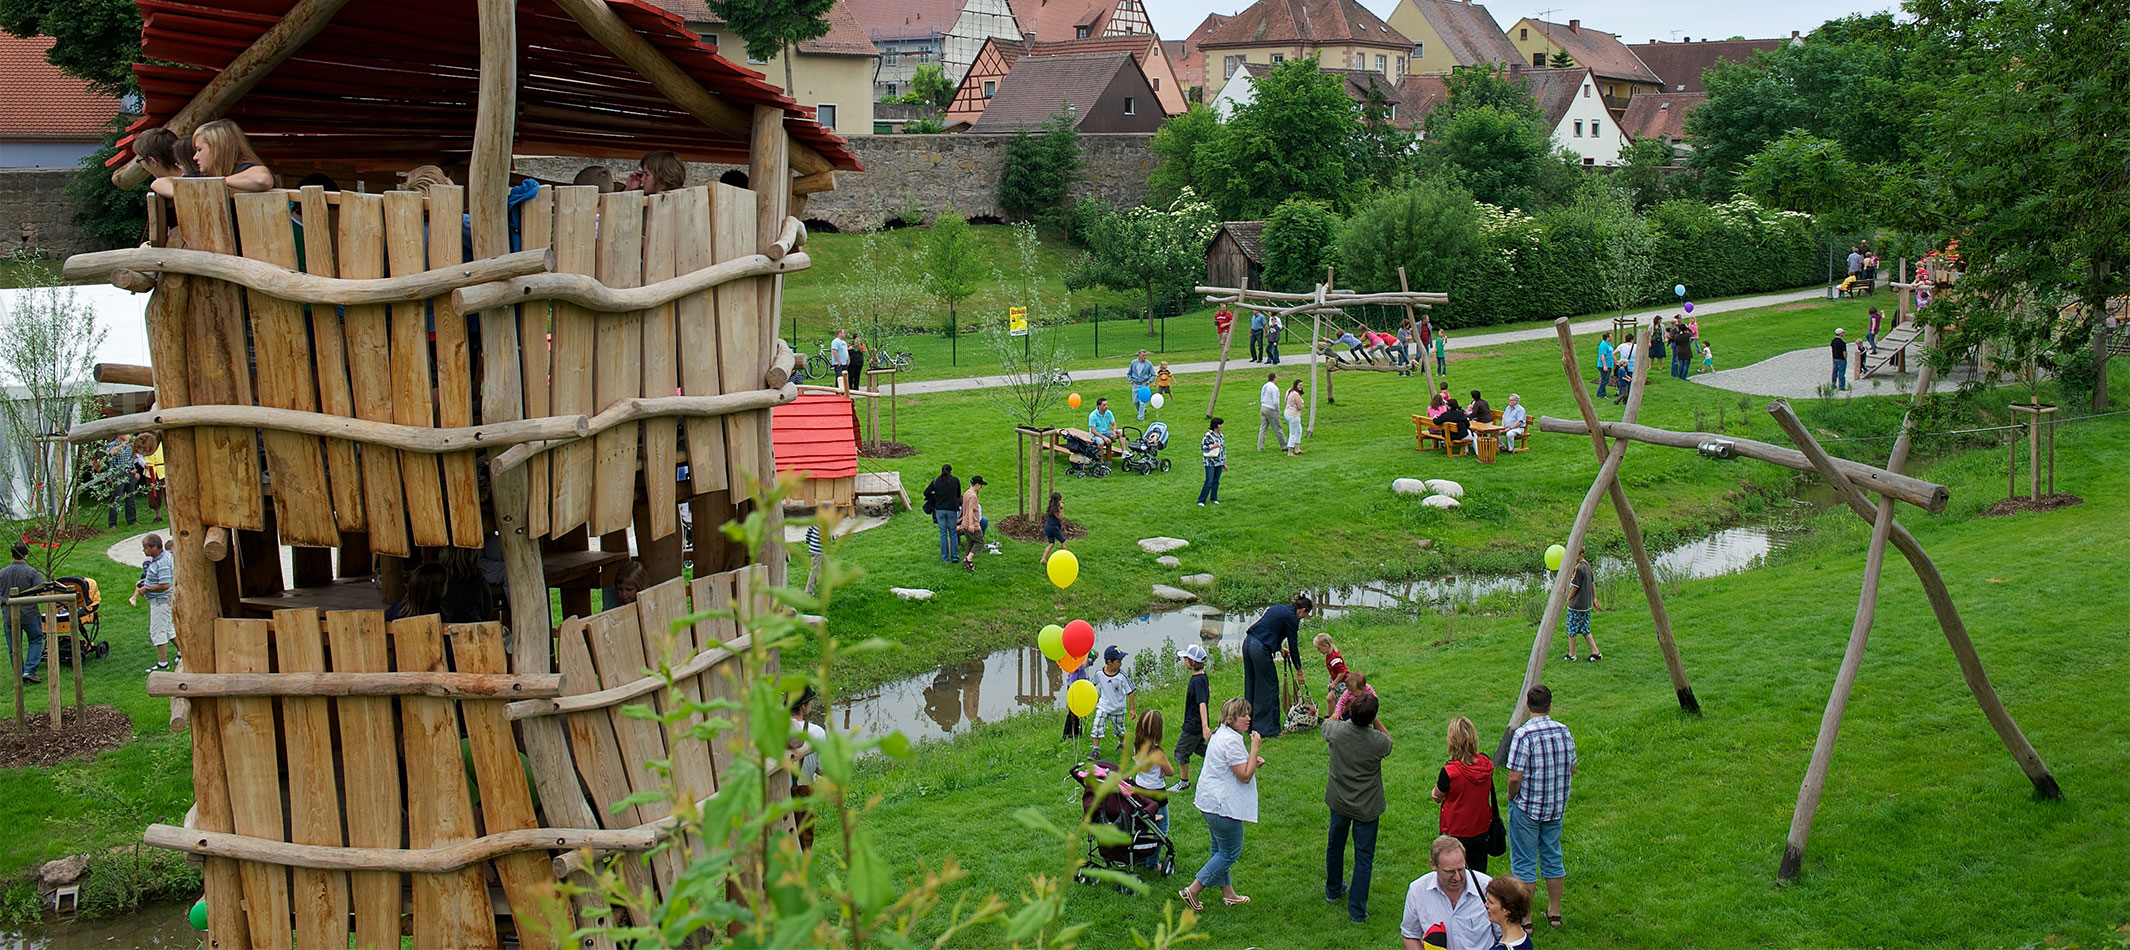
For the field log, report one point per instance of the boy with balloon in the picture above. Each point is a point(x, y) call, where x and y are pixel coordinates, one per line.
point(1582, 596)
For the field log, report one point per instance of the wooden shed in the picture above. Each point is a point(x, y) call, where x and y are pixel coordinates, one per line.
point(397, 391)
point(1236, 258)
point(816, 437)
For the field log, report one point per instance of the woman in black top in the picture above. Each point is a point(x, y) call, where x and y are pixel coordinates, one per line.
point(1280, 627)
point(425, 593)
point(943, 499)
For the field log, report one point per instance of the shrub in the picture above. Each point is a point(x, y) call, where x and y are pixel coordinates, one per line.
point(1432, 229)
point(1298, 242)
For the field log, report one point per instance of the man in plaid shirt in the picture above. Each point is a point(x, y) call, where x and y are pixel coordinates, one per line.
point(1541, 766)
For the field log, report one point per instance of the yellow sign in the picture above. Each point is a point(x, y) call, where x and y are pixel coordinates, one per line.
point(1017, 321)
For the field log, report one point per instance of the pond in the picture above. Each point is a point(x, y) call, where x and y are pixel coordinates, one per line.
point(154, 925)
point(957, 696)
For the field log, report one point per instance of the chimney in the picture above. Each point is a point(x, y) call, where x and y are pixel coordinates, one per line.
point(1793, 34)
point(1575, 26)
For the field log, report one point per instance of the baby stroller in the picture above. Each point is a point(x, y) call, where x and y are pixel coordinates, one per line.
point(1142, 455)
point(1087, 458)
point(87, 628)
point(1135, 811)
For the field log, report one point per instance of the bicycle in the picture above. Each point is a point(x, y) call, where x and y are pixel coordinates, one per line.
point(812, 367)
point(901, 361)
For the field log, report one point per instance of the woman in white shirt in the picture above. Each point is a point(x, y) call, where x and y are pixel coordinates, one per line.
point(1227, 795)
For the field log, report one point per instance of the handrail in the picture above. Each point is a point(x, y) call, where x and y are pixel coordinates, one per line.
point(413, 683)
point(589, 293)
point(219, 844)
point(420, 439)
point(277, 281)
point(615, 695)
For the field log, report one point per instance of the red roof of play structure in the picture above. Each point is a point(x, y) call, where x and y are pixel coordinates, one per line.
point(816, 434)
point(393, 83)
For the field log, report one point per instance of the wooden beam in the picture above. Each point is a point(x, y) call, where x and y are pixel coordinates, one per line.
point(437, 860)
point(298, 26)
point(814, 184)
point(422, 439)
point(448, 685)
point(675, 84)
point(1929, 496)
point(300, 287)
point(124, 374)
point(590, 293)
point(637, 408)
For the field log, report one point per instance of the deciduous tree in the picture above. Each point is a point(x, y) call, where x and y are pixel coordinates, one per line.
point(1430, 228)
point(1300, 238)
point(1160, 253)
point(771, 27)
point(1296, 139)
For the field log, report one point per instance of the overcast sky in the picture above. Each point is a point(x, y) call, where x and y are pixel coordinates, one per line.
point(1636, 22)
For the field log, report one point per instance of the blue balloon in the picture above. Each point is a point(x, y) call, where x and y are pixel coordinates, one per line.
point(1145, 393)
point(1678, 290)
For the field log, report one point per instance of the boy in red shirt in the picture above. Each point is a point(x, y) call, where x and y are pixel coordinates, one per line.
point(1335, 665)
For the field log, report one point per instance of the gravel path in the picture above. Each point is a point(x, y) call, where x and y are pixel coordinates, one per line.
point(1462, 341)
point(1798, 374)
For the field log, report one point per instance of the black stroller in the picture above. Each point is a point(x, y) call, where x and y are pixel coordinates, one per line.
point(1135, 811)
point(1087, 458)
point(1142, 455)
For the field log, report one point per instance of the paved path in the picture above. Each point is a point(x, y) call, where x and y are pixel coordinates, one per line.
point(1462, 341)
point(1798, 374)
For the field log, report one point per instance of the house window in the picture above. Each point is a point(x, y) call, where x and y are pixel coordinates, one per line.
point(1393, 112)
point(1131, 105)
point(1538, 60)
point(892, 90)
point(757, 62)
point(710, 39)
point(890, 59)
point(1523, 34)
point(1278, 58)
point(1589, 161)
point(825, 113)
point(1578, 128)
point(1080, 33)
point(1381, 66)
point(990, 87)
point(1157, 83)
point(1227, 66)
point(1586, 90)
point(1401, 65)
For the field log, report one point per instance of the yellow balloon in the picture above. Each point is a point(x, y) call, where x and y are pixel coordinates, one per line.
point(1064, 568)
point(1554, 556)
point(1081, 698)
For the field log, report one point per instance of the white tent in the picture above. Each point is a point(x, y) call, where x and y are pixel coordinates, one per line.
point(122, 318)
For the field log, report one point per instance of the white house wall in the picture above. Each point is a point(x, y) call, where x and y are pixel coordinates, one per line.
point(1601, 140)
point(1237, 92)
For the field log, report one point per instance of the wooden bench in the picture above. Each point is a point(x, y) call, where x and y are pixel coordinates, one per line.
point(1446, 433)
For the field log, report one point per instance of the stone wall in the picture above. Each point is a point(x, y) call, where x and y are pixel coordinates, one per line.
point(930, 171)
point(34, 210)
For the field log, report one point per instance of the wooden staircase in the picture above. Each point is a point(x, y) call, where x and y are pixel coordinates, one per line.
point(1893, 344)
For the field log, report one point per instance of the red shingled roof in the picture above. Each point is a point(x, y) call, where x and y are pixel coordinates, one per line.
point(1603, 52)
point(1284, 22)
point(1680, 64)
point(816, 434)
point(1660, 114)
point(844, 37)
point(44, 104)
point(393, 83)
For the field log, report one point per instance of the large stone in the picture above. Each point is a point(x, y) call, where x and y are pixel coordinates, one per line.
point(1176, 594)
point(1424, 543)
point(1439, 501)
point(1408, 486)
point(1169, 560)
point(63, 871)
point(1443, 486)
point(1197, 580)
point(1162, 545)
point(911, 593)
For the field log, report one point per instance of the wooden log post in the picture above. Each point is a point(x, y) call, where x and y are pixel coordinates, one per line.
point(771, 154)
point(1830, 720)
point(1316, 342)
point(53, 671)
point(81, 705)
point(16, 643)
point(1963, 647)
point(1226, 340)
point(1631, 526)
point(1557, 601)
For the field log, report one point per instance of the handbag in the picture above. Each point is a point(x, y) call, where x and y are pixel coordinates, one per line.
point(1497, 833)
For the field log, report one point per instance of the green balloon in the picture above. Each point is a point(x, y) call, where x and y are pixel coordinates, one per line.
point(199, 914)
point(1052, 642)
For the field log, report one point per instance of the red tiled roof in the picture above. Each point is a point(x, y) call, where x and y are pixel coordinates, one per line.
point(1052, 20)
point(43, 103)
point(1660, 114)
point(1553, 91)
point(890, 19)
point(1299, 23)
point(1038, 85)
point(844, 38)
point(1468, 32)
point(1421, 95)
point(1680, 64)
point(1354, 81)
point(364, 92)
point(1601, 51)
point(816, 434)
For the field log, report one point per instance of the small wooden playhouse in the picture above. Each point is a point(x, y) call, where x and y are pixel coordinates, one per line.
point(401, 373)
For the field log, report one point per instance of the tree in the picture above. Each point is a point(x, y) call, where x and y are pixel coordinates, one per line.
point(951, 266)
point(1431, 228)
point(96, 41)
point(1803, 172)
point(1561, 60)
point(1039, 169)
point(1641, 172)
point(876, 293)
point(773, 27)
point(1300, 238)
point(1032, 381)
point(1384, 150)
point(1158, 253)
point(1175, 146)
point(1627, 247)
point(1296, 139)
point(931, 85)
point(1497, 155)
point(928, 125)
point(1478, 86)
point(48, 345)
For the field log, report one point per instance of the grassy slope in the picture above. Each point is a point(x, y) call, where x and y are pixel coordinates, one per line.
point(1677, 824)
point(1322, 519)
point(27, 796)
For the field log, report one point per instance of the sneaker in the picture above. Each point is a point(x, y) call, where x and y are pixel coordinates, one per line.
point(159, 667)
point(1570, 657)
point(1180, 786)
point(31, 678)
point(1201, 504)
point(1358, 918)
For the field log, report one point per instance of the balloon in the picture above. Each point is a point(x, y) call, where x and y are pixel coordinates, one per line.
point(199, 915)
point(1554, 556)
point(1678, 290)
point(1052, 641)
point(1073, 400)
point(1160, 400)
point(1081, 698)
point(1079, 637)
point(1064, 568)
point(1689, 306)
point(1143, 393)
point(1070, 663)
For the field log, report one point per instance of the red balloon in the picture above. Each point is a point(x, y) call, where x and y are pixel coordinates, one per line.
point(1079, 638)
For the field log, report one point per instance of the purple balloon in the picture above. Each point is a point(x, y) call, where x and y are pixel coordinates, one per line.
point(1689, 306)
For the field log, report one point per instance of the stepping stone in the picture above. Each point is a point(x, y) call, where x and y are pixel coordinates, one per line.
point(1409, 486)
point(1424, 543)
point(1197, 580)
point(1162, 545)
point(1177, 594)
point(1439, 501)
point(1168, 560)
point(1443, 486)
point(911, 593)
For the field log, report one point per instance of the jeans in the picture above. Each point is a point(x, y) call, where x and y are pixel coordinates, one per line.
point(1841, 374)
point(1399, 355)
point(1534, 847)
point(1871, 340)
point(1604, 378)
point(949, 544)
point(1227, 834)
point(1272, 352)
point(1211, 490)
point(1257, 344)
point(1678, 367)
point(32, 625)
point(126, 490)
point(1442, 364)
point(1364, 863)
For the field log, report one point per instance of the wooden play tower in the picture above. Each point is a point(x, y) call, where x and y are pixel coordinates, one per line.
point(402, 373)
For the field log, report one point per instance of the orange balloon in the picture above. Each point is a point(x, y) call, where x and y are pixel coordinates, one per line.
point(1070, 663)
point(1073, 400)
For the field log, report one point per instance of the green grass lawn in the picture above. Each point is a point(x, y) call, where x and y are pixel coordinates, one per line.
point(1928, 834)
point(1323, 519)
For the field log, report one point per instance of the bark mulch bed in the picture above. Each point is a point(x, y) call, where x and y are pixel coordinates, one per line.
point(2013, 506)
point(1030, 528)
point(875, 449)
point(80, 736)
point(74, 532)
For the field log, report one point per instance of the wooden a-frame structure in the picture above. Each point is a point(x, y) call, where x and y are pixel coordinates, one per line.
point(1325, 299)
point(484, 368)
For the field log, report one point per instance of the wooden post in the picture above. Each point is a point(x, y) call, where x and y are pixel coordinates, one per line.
point(52, 669)
point(17, 642)
point(1406, 288)
point(769, 174)
point(81, 705)
point(1316, 333)
point(1221, 373)
point(872, 406)
point(894, 434)
point(1632, 527)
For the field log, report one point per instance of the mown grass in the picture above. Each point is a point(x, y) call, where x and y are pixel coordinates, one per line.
point(1323, 519)
point(1928, 835)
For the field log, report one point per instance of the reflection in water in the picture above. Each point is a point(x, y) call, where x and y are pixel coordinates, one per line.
point(155, 925)
point(938, 704)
